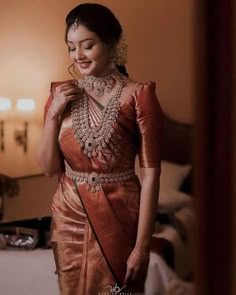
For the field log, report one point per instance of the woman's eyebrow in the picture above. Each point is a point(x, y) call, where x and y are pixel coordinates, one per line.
point(81, 41)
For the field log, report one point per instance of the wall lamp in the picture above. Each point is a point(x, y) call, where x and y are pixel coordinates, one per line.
point(5, 106)
point(24, 107)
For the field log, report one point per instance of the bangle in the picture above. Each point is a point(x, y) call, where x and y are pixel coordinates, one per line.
point(142, 255)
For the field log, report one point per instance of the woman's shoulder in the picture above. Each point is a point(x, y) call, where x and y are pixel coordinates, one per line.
point(138, 88)
point(145, 98)
point(136, 85)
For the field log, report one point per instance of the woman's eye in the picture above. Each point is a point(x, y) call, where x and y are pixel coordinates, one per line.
point(89, 46)
point(71, 49)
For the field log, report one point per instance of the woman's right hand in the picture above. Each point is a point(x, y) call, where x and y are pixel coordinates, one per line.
point(63, 94)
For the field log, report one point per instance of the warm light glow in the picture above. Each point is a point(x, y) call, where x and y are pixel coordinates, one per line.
point(25, 104)
point(5, 104)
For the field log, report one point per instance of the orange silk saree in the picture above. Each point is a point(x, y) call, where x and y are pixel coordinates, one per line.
point(93, 233)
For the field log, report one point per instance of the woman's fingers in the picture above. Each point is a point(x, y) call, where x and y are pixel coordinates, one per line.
point(132, 269)
point(63, 94)
point(136, 268)
point(67, 89)
point(129, 275)
point(72, 97)
point(72, 91)
point(66, 85)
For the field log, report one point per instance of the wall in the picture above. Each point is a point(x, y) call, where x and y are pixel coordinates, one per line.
point(33, 53)
point(34, 199)
point(160, 48)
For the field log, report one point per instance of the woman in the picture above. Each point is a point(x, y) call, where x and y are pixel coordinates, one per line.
point(94, 127)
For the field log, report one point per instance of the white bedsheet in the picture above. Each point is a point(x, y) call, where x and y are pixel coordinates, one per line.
point(161, 280)
point(28, 272)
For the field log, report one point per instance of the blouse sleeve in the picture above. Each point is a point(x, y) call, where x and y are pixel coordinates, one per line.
point(149, 120)
point(46, 107)
point(49, 100)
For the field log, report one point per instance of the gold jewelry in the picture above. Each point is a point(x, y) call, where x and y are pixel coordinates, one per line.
point(98, 85)
point(74, 26)
point(94, 180)
point(93, 139)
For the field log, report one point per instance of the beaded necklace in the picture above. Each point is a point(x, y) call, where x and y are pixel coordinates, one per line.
point(93, 139)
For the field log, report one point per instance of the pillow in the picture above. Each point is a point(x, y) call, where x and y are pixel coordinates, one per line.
point(171, 201)
point(171, 178)
point(173, 175)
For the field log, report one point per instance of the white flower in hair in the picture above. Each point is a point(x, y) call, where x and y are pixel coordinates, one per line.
point(120, 56)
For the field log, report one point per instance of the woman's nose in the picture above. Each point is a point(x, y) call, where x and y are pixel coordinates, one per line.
point(79, 54)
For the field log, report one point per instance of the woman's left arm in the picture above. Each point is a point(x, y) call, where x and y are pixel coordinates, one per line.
point(139, 258)
point(148, 208)
point(149, 120)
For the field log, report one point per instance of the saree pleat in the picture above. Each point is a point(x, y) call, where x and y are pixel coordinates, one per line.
point(81, 267)
point(93, 233)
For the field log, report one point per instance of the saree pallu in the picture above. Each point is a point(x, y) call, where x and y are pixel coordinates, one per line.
point(93, 233)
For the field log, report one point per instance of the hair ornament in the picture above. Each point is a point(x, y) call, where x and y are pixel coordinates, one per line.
point(74, 26)
point(121, 51)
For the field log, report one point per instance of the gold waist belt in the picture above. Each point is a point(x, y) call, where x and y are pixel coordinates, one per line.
point(94, 180)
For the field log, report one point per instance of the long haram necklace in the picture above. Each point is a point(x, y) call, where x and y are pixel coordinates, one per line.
point(94, 139)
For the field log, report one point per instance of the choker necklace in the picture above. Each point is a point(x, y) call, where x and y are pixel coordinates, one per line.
point(100, 85)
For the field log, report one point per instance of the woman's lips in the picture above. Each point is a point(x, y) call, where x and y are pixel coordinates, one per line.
point(84, 64)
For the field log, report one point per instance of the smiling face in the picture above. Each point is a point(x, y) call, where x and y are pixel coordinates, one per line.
point(89, 54)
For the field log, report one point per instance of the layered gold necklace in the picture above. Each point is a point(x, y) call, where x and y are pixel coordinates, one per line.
point(94, 137)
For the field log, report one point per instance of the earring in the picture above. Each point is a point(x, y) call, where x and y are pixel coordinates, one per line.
point(112, 59)
point(113, 64)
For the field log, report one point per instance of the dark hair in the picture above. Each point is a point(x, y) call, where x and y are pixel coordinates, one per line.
point(98, 19)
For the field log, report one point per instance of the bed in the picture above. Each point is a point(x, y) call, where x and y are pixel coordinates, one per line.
point(28, 272)
point(30, 268)
point(170, 268)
